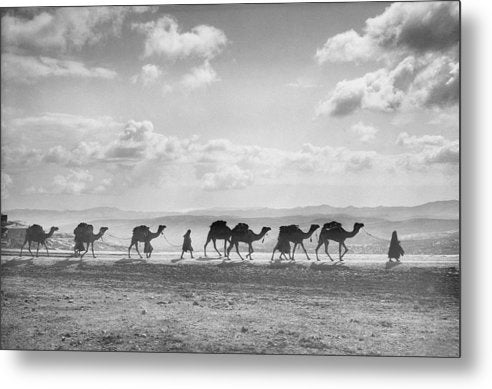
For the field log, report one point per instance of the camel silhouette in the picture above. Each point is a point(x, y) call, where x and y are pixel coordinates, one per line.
point(242, 233)
point(337, 234)
point(322, 235)
point(84, 233)
point(295, 235)
point(218, 230)
point(35, 233)
point(143, 234)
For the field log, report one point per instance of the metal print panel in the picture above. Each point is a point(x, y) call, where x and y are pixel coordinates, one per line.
point(234, 178)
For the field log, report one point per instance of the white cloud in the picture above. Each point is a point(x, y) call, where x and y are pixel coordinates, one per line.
point(418, 42)
point(425, 82)
point(27, 68)
point(164, 37)
point(346, 47)
point(402, 29)
point(227, 177)
point(366, 132)
point(6, 184)
point(200, 76)
point(62, 29)
point(429, 149)
point(75, 182)
point(148, 75)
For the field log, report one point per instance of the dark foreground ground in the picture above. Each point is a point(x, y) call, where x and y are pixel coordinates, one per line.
point(240, 308)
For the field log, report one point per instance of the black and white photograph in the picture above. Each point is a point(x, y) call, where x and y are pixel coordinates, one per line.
point(275, 179)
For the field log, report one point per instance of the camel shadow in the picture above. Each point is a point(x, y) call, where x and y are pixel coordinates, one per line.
point(390, 265)
point(130, 261)
point(278, 264)
point(207, 259)
point(177, 260)
point(229, 263)
point(17, 261)
point(67, 262)
point(327, 266)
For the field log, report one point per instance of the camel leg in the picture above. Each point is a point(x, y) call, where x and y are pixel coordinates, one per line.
point(293, 251)
point(229, 250)
point(305, 252)
point(30, 252)
point(205, 246)
point(326, 250)
point(215, 247)
point(138, 252)
point(37, 251)
point(238, 253)
point(250, 252)
point(22, 248)
point(130, 247)
point(85, 252)
point(225, 245)
point(273, 253)
point(92, 248)
point(46, 247)
point(346, 249)
point(320, 242)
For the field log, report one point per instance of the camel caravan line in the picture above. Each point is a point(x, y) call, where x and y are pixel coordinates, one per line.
point(85, 237)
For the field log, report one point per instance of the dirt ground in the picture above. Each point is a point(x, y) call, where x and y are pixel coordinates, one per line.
point(214, 307)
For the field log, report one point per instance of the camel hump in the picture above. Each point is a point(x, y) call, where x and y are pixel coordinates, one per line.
point(218, 224)
point(240, 228)
point(36, 228)
point(83, 228)
point(141, 229)
point(289, 229)
point(332, 224)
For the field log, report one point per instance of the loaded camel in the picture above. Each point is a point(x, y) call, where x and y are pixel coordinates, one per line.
point(242, 233)
point(84, 233)
point(295, 235)
point(218, 230)
point(283, 243)
point(143, 234)
point(35, 233)
point(337, 234)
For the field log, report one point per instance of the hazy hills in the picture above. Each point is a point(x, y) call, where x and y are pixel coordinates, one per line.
point(428, 228)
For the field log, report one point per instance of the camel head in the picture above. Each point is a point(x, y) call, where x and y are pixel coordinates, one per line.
point(160, 229)
point(102, 230)
point(358, 226)
point(313, 227)
point(265, 229)
point(54, 229)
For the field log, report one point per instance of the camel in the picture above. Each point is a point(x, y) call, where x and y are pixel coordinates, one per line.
point(283, 243)
point(35, 233)
point(242, 233)
point(218, 230)
point(143, 234)
point(322, 234)
point(84, 233)
point(337, 234)
point(295, 235)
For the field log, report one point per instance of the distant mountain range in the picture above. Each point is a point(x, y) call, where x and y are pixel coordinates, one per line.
point(431, 227)
point(433, 210)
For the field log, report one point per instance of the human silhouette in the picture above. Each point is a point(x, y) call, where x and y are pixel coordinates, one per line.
point(187, 244)
point(395, 250)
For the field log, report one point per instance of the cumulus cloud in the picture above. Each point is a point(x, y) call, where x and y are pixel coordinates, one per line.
point(148, 75)
point(402, 29)
point(6, 184)
point(164, 37)
point(65, 28)
point(22, 68)
point(200, 76)
point(418, 43)
point(430, 149)
point(424, 82)
point(227, 177)
point(365, 132)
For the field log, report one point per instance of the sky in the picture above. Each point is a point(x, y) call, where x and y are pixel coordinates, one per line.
point(180, 107)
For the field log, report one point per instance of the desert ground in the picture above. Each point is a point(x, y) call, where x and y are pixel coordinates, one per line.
point(207, 305)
